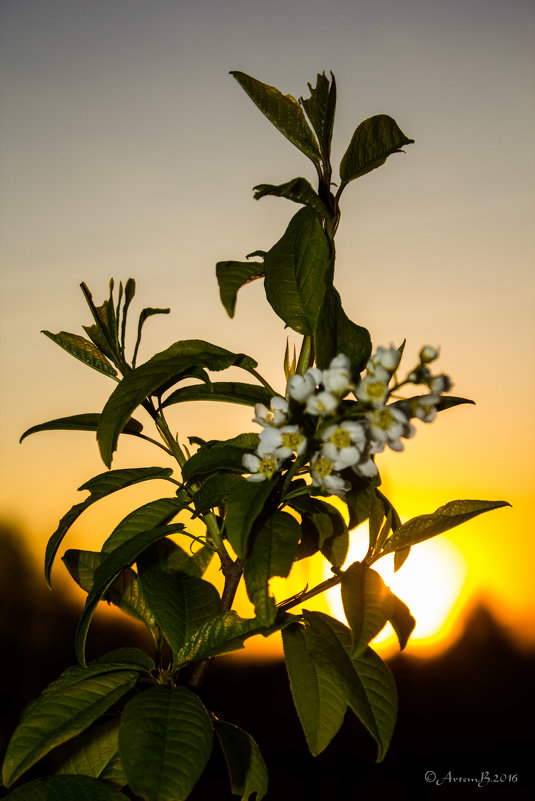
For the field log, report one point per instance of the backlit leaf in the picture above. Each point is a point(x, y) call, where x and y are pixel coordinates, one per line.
point(247, 769)
point(367, 604)
point(163, 369)
point(299, 191)
point(283, 111)
point(80, 422)
point(446, 517)
point(224, 455)
point(299, 272)
point(84, 350)
point(66, 708)
point(150, 515)
point(98, 487)
point(245, 503)
point(271, 553)
point(373, 141)
point(231, 276)
point(165, 741)
point(320, 108)
point(222, 391)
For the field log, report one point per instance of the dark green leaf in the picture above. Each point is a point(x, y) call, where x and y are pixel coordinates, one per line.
point(318, 693)
point(367, 604)
point(320, 108)
point(145, 313)
point(374, 140)
point(98, 487)
point(271, 553)
point(165, 742)
point(370, 687)
point(150, 515)
point(125, 591)
point(132, 657)
point(180, 605)
point(93, 752)
point(231, 276)
point(166, 555)
point(110, 568)
point(247, 769)
point(299, 191)
point(245, 503)
point(80, 422)
point(425, 526)
point(283, 111)
point(336, 333)
point(215, 491)
point(66, 708)
point(223, 391)
point(163, 368)
point(401, 620)
point(66, 788)
point(84, 350)
point(225, 455)
point(299, 272)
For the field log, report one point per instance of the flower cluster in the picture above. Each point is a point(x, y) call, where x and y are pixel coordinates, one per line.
point(328, 433)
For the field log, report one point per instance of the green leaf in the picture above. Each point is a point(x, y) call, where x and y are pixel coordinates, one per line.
point(299, 272)
point(299, 191)
point(98, 487)
point(320, 108)
point(163, 368)
point(357, 499)
point(180, 605)
point(318, 694)
point(222, 391)
point(131, 657)
point(150, 515)
point(448, 516)
point(247, 769)
point(84, 350)
point(336, 333)
point(66, 788)
point(271, 553)
point(224, 455)
point(80, 422)
point(67, 707)
point(373, 141)
point(145, 313)
point(215, 491)
point(93, 752)
point(245, 503)
point(367, 604)
point(109, 569)
point(125, 591)
point(283, 111)
point(370, 688)
point(165, 742)
point(320, 523)
point(171, 558)
point(231, 276)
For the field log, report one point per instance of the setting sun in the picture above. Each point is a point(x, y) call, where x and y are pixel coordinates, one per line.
point(430, 583)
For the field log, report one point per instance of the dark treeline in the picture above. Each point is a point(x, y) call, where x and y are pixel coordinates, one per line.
point(467, 714)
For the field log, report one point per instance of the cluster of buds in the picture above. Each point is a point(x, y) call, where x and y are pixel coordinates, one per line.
point(328, 434)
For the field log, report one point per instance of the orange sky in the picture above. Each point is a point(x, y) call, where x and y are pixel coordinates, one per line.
point(126, 149)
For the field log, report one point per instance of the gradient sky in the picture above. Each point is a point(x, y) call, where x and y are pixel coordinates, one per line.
point(128, 150)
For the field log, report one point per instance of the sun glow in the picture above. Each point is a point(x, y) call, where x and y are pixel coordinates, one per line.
point(431, 583)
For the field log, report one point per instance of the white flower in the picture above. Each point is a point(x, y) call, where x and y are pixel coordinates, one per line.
point(275, 416)
point(373, 389)
point(260, 467)
point(323, 475)
point(321, 404)
point(387, 358)
point(367, 468)
point(300, 387)
point(440, 383)
point(425, 407)
point(429, 354)
point(387, 426)
point(344, 443)
point(282, 442)
point(337, 377)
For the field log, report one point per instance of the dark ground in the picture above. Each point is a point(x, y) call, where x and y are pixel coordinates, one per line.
point(468, 714)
